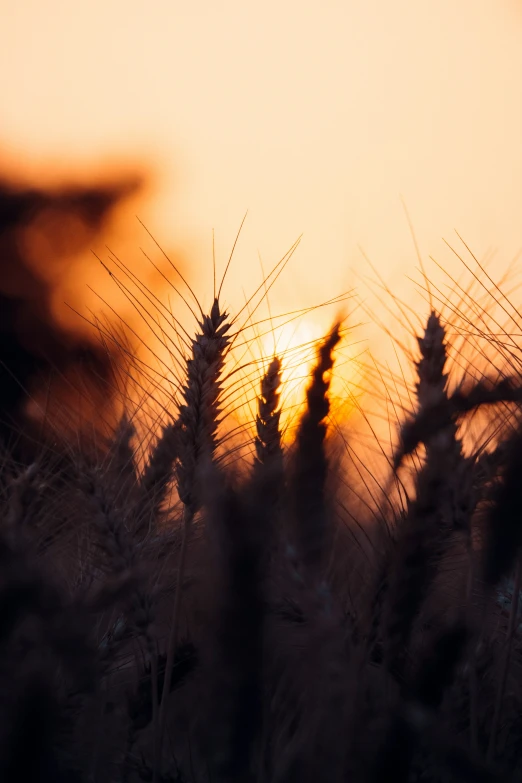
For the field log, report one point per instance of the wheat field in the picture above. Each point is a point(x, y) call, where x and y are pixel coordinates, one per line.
point(192, 595)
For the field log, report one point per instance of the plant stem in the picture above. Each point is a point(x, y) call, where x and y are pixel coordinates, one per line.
point(503, 677)
point(173, 638)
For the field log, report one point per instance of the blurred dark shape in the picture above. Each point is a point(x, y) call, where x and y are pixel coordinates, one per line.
point(41, 231)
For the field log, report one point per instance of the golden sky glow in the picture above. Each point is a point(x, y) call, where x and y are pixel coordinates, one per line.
point(314, 116)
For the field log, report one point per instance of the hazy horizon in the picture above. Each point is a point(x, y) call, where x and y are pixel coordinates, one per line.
point(316, 118)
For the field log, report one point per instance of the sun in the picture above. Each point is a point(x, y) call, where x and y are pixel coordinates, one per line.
point(295, 344)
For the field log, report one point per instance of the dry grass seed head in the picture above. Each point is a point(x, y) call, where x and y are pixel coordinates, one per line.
point(268, 438)
point(310, 463)
point(198, 415)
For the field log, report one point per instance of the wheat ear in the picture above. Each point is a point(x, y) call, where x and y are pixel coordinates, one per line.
point(432, 419)
point(154, 481)
point(268, 439)
point(419, 536)
point(310, 464)
point(196, 435)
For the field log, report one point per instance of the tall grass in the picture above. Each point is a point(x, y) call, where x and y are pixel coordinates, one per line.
point(219, 606)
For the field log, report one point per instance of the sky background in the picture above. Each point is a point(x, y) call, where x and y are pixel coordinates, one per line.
point(314, 116)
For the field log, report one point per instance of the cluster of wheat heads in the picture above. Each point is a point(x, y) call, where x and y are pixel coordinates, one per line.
point(195, 611)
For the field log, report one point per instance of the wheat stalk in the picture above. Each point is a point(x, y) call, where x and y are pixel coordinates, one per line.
point(196, 430)
point(310, 463)
point(420, 540)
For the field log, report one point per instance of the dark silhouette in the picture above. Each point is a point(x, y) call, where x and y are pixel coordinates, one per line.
point(39, 231)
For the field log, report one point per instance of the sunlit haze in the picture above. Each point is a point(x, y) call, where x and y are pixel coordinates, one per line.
point(315, 117)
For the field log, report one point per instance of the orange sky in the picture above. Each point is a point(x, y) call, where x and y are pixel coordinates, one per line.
point(314, 116)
